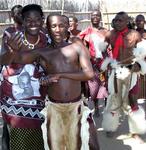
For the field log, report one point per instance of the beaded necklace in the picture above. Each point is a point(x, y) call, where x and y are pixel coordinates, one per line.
point(27, 43)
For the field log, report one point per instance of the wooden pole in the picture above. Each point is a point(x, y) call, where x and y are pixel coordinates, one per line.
point(62, 9)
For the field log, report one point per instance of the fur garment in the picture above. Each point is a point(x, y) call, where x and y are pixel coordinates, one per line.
point(117, 102)
point(137, 122)
point(62, 129)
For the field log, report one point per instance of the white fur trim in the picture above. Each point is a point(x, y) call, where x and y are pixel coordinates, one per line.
point(111, 89)
point(99, 44)
point(137, 122)
point(44, 128)
point(110, 121)
point(105, 63)
point(114, 63)
point(85, 129)
point(122, 73)
point(140, 51)
point(133, 80)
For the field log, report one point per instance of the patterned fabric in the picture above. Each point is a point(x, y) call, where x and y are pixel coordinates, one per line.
point(21, 99)
point(102, 93)
point(94, 85)
point(93, 88)
point(26, 139)
point(95, 41)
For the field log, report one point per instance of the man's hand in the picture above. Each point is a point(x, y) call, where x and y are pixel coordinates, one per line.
point(46, 80)
point(14, 41)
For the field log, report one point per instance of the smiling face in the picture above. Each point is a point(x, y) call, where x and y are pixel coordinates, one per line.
point(57, 28)
point(32, 22)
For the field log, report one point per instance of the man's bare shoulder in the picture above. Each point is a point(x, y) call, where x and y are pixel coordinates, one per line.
point(109, 34)
point(134, 34)
point(103, 29)
point(79, 47)
point(132, 31)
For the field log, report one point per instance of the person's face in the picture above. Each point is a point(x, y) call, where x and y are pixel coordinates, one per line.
point(16, 15)
point(120, 22)
point(57, 28)
point(33, 22)
point(95, 17)
point(24, 81)
point(72, 24)
point(140, 22)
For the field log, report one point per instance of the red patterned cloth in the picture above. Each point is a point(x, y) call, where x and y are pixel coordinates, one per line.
point(92, 37)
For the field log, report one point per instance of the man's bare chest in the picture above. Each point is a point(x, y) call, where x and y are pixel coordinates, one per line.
point(62, 60)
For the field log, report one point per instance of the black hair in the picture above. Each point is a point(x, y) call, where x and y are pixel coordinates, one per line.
point(66, 19)
point(113, 23)
point(74, 18)
point(15, 7)
point(131, 23)
point(32, 7)
point(141, 16)
point(51, 15)
point(123, 13)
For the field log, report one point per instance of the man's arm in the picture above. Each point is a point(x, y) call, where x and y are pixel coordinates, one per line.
point(24, 57)
point(8, 51)
point(12, 53)
point(5, 55)
point(86, 71)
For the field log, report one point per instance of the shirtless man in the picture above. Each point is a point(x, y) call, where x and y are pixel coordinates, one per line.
point(67, 64)
point(122, 41)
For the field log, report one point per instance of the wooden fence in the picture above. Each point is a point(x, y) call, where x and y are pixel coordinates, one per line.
point(83, 17)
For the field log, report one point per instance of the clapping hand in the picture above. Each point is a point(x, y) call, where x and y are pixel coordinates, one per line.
point(14, 41)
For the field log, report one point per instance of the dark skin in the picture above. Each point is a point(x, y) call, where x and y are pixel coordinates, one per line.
point(95, 21)
point(140, 22)
point(32, 25)
point(131, 38)
point(73, 27)
point(68, 64)
point(96, 28)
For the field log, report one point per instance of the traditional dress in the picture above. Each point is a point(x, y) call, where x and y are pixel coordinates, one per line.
point(21, 102)
point(7, 32)
point(96, 45)
point(67, 126)
point(22, 99)
point(118, 100)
